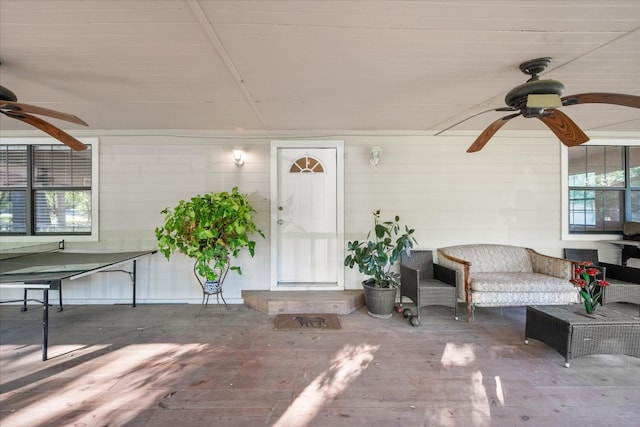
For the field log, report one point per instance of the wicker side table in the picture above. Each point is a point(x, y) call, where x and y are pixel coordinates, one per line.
point(574, 333)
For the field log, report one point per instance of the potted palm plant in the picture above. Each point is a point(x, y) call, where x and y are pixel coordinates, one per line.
point(212, 229)
point(375, 257)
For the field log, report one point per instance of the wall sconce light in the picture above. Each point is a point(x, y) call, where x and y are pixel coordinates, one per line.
point(376, 153)
point(238, 157)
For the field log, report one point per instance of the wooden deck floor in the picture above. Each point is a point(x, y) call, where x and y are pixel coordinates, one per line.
point(159, 365)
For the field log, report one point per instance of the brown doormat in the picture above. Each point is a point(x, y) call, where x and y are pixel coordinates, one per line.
point(307, 321)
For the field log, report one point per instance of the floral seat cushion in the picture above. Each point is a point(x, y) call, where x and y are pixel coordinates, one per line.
point(513, 299)
point(519, 282)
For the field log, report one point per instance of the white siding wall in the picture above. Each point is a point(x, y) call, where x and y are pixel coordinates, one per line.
point(510, 193)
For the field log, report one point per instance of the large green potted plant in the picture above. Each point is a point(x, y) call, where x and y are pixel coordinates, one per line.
point(212, 229)
point(375, 257)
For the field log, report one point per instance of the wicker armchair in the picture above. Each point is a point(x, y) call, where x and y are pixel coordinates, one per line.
point(426, 283)
point(630, 233)
point(624, 281)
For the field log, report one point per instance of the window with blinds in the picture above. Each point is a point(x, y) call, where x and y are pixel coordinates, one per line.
point(604, 188)
point(45, 189)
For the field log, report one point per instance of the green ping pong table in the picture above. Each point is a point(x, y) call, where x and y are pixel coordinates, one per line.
point(45, 267)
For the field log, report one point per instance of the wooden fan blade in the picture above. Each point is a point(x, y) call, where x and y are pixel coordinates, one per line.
point(486, 134)
point(565, 129)
point(19, 107)
point(46, 127)
point(472, 116)
point(602, 98)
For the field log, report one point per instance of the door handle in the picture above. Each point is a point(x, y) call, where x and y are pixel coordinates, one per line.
point(280, 222)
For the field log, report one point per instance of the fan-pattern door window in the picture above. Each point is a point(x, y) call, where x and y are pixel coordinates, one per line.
point(306, 165)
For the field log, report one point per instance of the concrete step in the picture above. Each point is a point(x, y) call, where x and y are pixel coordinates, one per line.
point(286, 302)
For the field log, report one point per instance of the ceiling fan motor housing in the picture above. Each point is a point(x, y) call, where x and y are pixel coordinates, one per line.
point(7, 95)
point(517, 97)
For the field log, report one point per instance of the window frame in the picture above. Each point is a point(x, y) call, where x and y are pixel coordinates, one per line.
point(564, 162)
point(93, 236)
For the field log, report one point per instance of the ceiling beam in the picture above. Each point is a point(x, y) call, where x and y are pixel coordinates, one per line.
point(217, 44)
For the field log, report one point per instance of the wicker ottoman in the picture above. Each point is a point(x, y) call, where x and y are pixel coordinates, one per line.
point(574, 333)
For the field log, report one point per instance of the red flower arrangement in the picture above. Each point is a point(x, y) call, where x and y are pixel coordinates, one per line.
point(589, 286)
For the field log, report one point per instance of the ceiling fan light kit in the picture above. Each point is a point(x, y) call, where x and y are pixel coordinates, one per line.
point(540, 100)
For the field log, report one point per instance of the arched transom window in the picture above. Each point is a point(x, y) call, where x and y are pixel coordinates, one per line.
point(306, 165)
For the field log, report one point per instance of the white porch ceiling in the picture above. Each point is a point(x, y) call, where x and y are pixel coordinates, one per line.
point(312, 65)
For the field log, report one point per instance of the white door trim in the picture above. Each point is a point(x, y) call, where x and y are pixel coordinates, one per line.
point(339, 146)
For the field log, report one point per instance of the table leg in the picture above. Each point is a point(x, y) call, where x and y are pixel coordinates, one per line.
point(60, 298)
point(24, 302)
point(45, 323)
point(134, 283)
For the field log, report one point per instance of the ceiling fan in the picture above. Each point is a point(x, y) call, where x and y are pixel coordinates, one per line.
point(10, 107)
point(541, 99)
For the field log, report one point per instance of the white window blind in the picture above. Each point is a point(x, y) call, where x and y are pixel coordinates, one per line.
point(45, 189)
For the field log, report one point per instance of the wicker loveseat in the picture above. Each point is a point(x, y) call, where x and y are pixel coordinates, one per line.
point(501, 275)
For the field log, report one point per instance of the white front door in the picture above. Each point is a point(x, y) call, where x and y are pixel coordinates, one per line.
point(306, 215)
